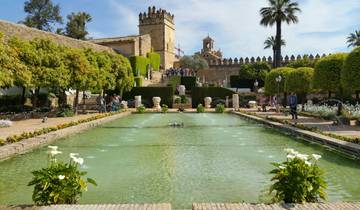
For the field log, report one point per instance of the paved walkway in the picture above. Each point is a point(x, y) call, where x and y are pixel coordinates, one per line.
point(246, 206)
point(93, 207)
point(30, 125)
point(324, 125)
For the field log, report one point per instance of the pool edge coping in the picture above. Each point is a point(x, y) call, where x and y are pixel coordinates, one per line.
point(347, 147)
point(26, 145)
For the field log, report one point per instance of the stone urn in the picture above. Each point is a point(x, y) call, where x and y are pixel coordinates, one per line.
point(252, 104)
point(156, 102)
point(235, 101)
point(182, 90)
point(124, 104)
point(137, 101)
point(207, 101)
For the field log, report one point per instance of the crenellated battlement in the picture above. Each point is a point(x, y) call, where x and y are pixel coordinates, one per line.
point(155, 16)
point(240, 61)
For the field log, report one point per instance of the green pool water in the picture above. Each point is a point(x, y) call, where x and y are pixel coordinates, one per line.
point(215, 157)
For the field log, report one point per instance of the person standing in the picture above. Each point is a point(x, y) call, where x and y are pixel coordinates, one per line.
point(293, 106)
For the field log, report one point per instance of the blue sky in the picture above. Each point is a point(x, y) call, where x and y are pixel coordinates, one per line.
point(234, 24)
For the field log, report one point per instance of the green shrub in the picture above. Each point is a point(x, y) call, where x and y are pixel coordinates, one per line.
point(199, 93)
point(66, 112)
point(2, 142)
point(154, 60)
point(177, 100)
point(271, 86)
point(350, 75)
point(174, 81)
point(298, 180)
point(59, 183)
point(245, 98)
point(138, 81)
point(139, 65)
point(141, 109)
point(184, 99)
point(306, 62)
point(164, 108)
point(188, 82)
point(220, 108)
point(200, 108)
point(299, 80)
point(147, 93)
point(328, 71)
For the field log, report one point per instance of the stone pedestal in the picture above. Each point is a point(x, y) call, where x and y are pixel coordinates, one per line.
point(235, 101)
point(137, 101)
point(124, 104)
point(182, 90)
point(252, 104)
point(156, 102)
point(207, 101)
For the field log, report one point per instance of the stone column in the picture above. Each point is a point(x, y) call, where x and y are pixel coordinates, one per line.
point(207, 101)
point(137, 101)
point(182, 90)
point(156, 102)
point(235, 101)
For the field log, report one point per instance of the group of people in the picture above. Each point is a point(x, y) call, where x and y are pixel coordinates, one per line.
point(108, 103)
point(183, 72)
point(292, 102)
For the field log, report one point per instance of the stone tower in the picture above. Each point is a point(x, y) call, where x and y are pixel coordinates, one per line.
point(208, 52)
point(161, 27)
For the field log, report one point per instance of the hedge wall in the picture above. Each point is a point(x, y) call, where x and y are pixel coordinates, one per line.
point(236, 82)
point(154, 60)
point(147, 93)
point(189, 82)
point(199, 93)
point(139, 65)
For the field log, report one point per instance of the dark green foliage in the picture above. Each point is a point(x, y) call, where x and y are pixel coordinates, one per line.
point(306, 62)
point(174, 82)
point(328, 71)
point(164, 108)
point(147, 93)
point(154, 60)
point(254, 71)
point(271, 86)
point(236, 82)
point(189, 82)
point(354, 39)
point(220, 108)
point(141, 109)
point(177, 100)
point(200, 108)
point(299, 80)
point(42, 14)
point(76, 25)
point(65, 112)
point(139, 65)
point(184, 100)
point(199, 93)
point(245, 98)
point(138, 81)
point(350, 75)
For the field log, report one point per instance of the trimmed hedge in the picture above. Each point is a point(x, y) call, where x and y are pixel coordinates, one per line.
point(139, 65)
point(173, 82)
point(236, 82)
point(271, 86)
point(199, 93)
point(350, 75)
point(154, 60)
point(188, 82)
point(300, 80)
point(138, 81)
point(147, 93)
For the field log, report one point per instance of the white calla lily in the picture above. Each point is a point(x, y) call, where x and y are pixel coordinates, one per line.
point(55, 152)
point(316, 156)
point(53, 147)
point(61, 177)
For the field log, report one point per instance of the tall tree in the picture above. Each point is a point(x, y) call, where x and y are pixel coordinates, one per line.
point(195, 62)
point(76, 25)
point(42, 14)
point(277, 12)
point(270, 42)
point(354, 39)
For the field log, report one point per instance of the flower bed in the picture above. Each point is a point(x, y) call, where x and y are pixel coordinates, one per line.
point(26, 135)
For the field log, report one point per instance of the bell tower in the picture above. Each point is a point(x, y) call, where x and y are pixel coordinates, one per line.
point(159, 24)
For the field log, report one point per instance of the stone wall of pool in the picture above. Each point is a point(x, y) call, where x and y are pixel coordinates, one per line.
point(27, 145)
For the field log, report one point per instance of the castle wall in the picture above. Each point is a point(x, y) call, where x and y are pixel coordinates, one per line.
point(27, 33)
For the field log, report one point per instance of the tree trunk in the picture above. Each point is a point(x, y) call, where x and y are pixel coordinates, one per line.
point(357, 95)
point(278, 44)
point(285, 99)
point(35, 98)
point(274, 57)
point(84, 102)
point(22, 102)
point(76, 101)
point(329, 95)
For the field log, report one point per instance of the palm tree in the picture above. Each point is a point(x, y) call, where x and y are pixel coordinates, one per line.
point(354, 39)
point(277, 12)
point(270, 42)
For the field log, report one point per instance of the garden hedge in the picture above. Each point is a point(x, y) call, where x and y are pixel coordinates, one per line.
point(188, 82)
point(154, 60)
point(271, 86)
point(174, 81)
point(199, 93)
point(300, 80)
point(139, 65)
point(350, 74)
point(328, 71)
point(237, 82)
point(147, 93)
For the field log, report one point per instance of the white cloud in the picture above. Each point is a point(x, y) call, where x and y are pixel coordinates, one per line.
point(234, 24)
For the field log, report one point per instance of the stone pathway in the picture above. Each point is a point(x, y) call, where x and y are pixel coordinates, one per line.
point(30, 125)
point(246, 206)
point(324, 125)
